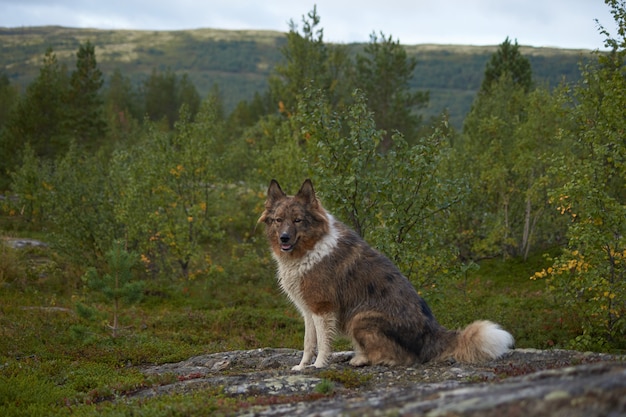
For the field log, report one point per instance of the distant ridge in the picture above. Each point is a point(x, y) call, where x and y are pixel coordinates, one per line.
point(239, 62)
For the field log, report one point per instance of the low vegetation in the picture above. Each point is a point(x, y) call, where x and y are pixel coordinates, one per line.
point(54, 360)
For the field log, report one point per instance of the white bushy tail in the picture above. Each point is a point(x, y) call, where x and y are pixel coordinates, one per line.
point(481, 341)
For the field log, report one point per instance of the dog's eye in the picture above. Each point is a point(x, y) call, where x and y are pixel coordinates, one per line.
point(278, 220)
point(297, 220)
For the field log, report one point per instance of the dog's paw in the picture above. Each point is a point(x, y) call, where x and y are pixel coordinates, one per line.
point(320, 364)
point(359, 360)
point(315, 365)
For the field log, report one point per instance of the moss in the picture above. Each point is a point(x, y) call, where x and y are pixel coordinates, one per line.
point(348, 378)
point(325, 387)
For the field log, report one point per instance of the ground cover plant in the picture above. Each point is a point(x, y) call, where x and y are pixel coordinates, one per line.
point(55, 360)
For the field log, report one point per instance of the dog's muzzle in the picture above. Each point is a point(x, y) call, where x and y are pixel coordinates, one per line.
point(285, 243)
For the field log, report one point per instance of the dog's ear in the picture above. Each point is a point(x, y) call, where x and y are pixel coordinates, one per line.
point(307, 193)
point(274, 192)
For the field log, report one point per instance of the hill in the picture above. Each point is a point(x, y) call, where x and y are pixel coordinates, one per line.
point(239, 62)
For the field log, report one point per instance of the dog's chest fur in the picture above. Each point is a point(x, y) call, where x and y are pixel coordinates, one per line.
point(292, 270)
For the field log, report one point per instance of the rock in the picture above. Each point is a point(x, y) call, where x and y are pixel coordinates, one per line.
point(21, 243)
point(570, 391)
point(523, 382)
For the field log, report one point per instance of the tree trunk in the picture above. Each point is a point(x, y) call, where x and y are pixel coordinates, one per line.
point(526, 234)
point(505, 238)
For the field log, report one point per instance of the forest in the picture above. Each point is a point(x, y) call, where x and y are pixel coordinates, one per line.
point(240, 62)
point(147, 200)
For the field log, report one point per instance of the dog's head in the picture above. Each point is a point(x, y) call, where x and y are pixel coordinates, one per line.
point(293, 223)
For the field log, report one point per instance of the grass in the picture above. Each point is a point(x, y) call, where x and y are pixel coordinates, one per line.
point(503, 292)
point(55, 361)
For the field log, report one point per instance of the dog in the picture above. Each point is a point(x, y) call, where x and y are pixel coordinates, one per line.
point(340, 284)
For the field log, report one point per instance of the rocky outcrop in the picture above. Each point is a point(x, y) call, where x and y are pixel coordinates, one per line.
point(20, 243)
point(524, 382)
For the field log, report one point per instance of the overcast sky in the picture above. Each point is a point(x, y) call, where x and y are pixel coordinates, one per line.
point(560, 23)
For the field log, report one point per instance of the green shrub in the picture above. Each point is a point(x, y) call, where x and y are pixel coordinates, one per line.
point(12, 268)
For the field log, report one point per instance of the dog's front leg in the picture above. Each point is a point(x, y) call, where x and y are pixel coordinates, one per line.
point(310, 341)
point(325, 329)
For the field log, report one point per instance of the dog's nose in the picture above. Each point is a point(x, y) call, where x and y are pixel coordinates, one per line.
point(284, 237)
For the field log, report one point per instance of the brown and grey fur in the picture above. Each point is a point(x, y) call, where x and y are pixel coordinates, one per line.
point(341, 284)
